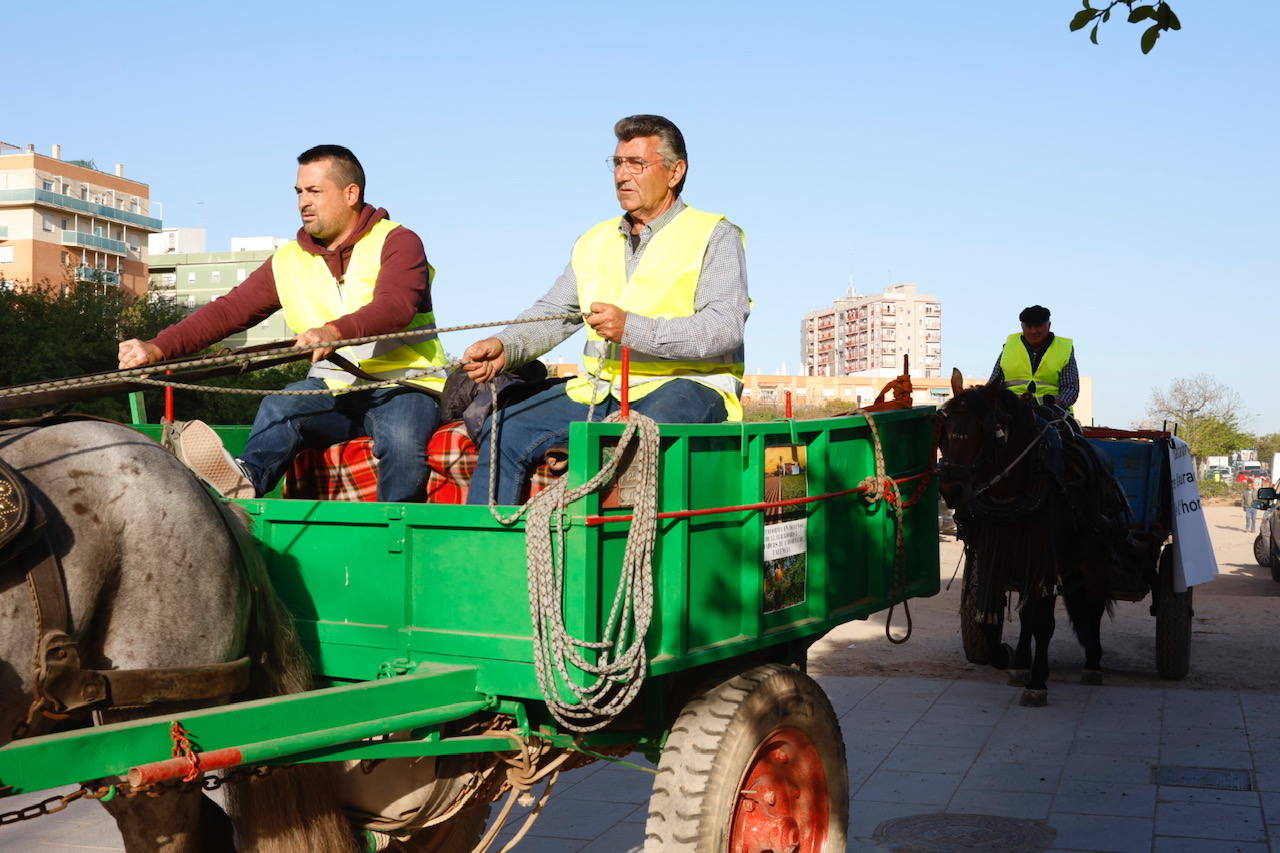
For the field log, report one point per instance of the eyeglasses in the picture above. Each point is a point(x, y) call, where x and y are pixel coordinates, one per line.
point(630, 165)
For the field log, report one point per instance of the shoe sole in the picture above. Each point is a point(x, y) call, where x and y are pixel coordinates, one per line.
point(202, 451)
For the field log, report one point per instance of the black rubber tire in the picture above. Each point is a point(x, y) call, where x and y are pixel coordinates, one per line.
point(1275, 564)
point(1173, 623)
point(1261, 553)
point(458, 835)
point(711, 744)
point(971, 636)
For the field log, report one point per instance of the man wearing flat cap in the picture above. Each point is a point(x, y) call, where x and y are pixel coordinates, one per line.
point(1039, 362)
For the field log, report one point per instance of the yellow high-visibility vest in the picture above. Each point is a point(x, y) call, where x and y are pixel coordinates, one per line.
point(1015, 363)
point(311, 297)
point(664, 284)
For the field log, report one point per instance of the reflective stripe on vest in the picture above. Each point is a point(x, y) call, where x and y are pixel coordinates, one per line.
point(311, 297)
point(664, 284)
point(1015, 363)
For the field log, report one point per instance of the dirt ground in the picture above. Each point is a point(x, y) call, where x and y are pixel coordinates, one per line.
point(1235, 641)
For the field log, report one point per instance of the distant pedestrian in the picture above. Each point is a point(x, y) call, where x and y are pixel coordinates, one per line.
point(1248, 498)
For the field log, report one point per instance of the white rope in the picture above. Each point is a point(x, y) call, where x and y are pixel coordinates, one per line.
point(621, 660)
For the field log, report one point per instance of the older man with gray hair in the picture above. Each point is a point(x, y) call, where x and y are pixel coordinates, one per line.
point(664, 279)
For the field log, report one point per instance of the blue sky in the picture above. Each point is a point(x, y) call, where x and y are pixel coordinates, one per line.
point(978, 149)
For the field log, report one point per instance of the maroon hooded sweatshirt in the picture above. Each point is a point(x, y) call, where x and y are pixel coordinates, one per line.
point(400, 292)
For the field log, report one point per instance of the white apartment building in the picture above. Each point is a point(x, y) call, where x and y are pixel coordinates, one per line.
point(869, 335)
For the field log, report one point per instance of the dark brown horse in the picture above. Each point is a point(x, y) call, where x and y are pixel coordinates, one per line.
point(1040, 514)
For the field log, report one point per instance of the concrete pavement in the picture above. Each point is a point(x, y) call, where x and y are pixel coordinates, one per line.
point(1104, 768)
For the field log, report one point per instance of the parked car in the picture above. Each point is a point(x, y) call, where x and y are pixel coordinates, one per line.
point(1266, 546)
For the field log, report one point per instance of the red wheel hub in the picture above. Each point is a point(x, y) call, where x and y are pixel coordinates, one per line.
point(783, 802)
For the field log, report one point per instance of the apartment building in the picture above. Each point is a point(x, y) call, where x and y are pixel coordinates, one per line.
point(65, 220)
point(193, 279)
point(869, 335)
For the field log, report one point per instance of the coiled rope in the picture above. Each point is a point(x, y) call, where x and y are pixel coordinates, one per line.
point(621, 661)
point(877, 487)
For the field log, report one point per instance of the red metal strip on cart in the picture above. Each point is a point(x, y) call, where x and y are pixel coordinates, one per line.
point(593, 520)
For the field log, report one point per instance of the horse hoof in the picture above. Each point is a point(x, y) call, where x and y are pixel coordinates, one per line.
point(1018, 677)
point(1091, 676)
point(1034, 698)
point(1003, 656)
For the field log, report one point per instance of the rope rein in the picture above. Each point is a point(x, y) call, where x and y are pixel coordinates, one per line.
point(142, 374)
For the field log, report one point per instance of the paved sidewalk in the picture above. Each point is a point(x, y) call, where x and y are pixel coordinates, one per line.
point(1085, 767)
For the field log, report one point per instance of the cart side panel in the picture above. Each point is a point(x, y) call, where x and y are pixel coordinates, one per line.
point(376, 585)
point(1138, 464)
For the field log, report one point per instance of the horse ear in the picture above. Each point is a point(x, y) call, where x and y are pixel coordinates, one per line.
point(957, 382)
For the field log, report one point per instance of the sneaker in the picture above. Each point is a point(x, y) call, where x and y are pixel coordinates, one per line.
point(200, 449)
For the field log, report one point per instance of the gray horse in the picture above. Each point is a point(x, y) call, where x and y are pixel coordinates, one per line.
point(153, 578)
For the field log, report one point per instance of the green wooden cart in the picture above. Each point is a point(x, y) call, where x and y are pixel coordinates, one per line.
point(418, 620)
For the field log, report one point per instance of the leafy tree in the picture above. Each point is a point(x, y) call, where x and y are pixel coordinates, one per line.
point(1268, 446)
point(1160, 14)
point(56, 331)
point(1206, 411)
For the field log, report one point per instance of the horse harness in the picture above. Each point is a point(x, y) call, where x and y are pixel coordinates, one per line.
point(61, 685)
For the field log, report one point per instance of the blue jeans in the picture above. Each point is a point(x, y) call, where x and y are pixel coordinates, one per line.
point(527, 429)
point(1250, 517)
point(399, 420)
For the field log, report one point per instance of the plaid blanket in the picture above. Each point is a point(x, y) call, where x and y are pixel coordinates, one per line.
point(349, 471)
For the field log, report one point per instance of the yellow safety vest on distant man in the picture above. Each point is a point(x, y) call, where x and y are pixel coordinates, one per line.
point(664, 284)
point(311, 297)
point(1015, 364)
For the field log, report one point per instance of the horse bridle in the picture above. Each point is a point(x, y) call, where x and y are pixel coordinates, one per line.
point(61, 684)
point(991, 425)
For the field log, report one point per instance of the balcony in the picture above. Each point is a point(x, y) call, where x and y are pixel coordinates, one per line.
point(9, 198)
point(89, 241)
point(95, 274)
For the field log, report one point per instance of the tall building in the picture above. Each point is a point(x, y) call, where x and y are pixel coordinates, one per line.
point(64, 220)
point(869, 335)
point(193, 279)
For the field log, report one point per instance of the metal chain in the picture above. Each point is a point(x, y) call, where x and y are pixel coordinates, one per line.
point(247, 358)
point(209, 782)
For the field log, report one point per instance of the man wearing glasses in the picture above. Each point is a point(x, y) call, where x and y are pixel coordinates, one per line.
point(664, 279)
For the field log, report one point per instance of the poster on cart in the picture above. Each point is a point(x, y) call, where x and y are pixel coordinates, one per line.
point(1193, 560)
point(786, 570)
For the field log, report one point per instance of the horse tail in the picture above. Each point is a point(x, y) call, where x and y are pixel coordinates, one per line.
point(293, 809)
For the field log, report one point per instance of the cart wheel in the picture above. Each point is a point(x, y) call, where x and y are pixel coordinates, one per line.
point(1173, 623)
point(459, 834)
point(1261, 554)
point(975, 644)
point(756, 763)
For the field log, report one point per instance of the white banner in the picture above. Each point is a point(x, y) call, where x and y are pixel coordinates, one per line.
point(784, 539)
point(1193, 560)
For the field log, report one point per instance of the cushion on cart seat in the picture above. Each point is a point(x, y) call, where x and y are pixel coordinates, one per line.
point(349, 471)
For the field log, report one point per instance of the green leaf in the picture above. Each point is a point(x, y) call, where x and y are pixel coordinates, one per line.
point(1082, 19)
point(1106, 16)
point(1149, 37)
point(1093, 34)
point(1142, 13)
point(1168, 20)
